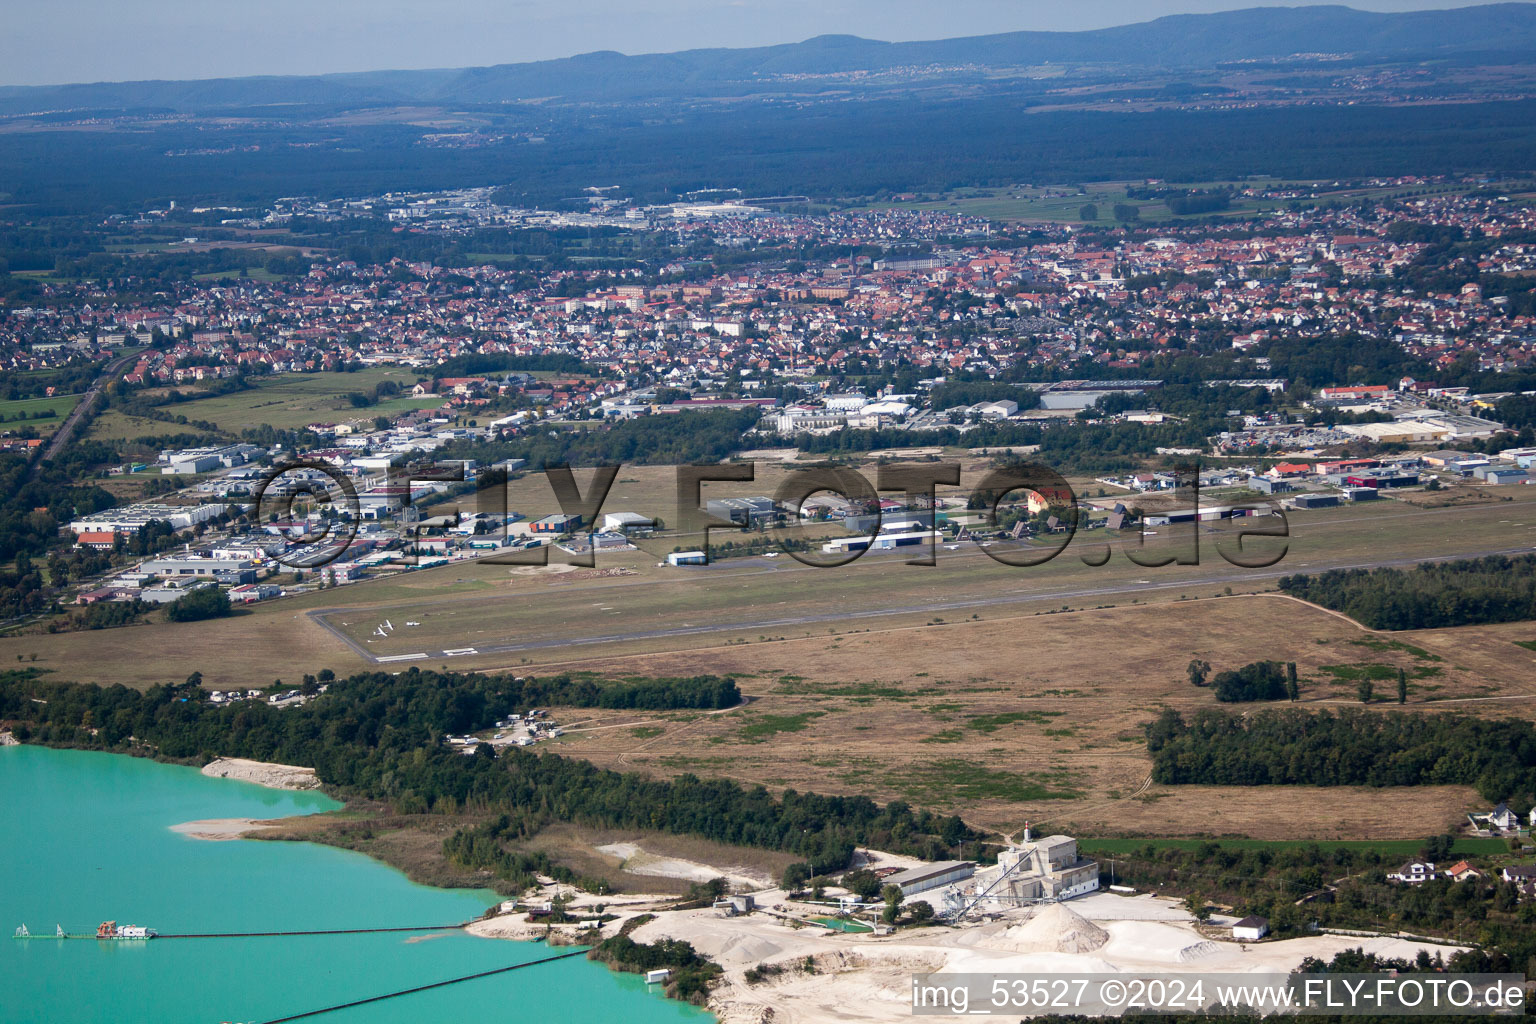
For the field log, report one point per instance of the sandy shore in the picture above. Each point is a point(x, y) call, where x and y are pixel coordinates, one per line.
point(273, 776)
point(221, 829)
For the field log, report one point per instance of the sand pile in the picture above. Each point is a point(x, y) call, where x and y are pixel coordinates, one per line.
point(747, 949)
point(1054, 929)
point(1198, 951)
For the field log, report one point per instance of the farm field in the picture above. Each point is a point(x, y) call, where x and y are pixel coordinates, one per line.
point(24, 412)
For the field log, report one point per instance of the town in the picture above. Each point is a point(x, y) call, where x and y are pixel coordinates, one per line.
point(966, 332)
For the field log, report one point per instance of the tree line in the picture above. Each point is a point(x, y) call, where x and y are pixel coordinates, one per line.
point(588, 690)
point(1350, 748)
point(647, 441)
point(1433, 595)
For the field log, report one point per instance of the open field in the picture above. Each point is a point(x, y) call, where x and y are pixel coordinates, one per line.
point(1063, 204)
point(24, 412)
point(260, 274)
point(285, 401)
point(664, 865)
point(1038, 718)
point(414, 844)
point(116, 425)
point(1463, 847)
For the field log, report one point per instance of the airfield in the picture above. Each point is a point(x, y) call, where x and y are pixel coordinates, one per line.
point(1008, 693)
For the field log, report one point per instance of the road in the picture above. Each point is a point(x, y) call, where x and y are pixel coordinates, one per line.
point(82, 412)
point(1021, 595)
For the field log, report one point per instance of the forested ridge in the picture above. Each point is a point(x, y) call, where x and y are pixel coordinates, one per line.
point(378, 736)
point(1429, 596)
point(1348, 748)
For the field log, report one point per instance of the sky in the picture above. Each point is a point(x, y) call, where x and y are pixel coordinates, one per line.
point(127, 40)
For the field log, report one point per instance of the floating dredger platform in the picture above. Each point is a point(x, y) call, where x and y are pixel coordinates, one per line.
point(105, 930)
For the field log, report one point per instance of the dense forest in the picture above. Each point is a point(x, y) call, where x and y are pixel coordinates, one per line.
point(857, 148)
point(381, 737)
point(1518, 411)
point(1351, 748)
point(1428, 596)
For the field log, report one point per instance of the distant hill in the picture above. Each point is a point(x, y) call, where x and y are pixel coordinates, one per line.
point(1178, 42)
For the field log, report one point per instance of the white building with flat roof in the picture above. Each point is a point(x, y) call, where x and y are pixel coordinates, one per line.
point(130, 518)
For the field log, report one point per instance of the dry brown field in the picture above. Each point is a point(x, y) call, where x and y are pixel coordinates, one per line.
point(1039, 718)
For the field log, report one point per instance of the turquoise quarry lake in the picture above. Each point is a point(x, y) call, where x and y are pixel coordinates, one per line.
point(87, 838)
